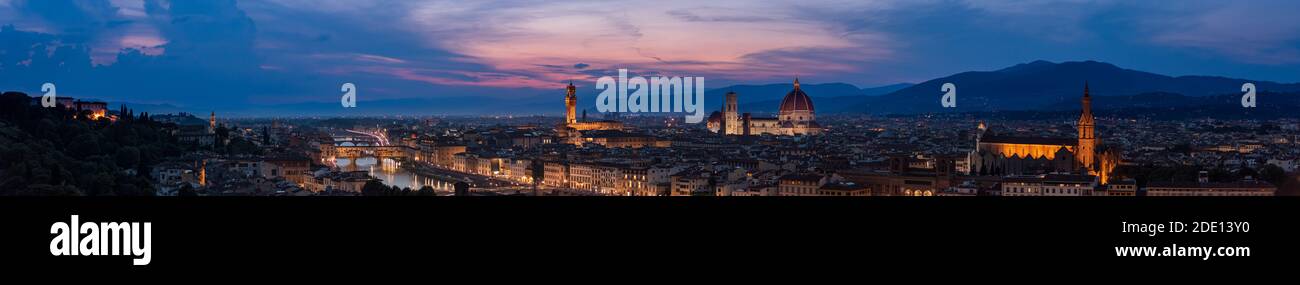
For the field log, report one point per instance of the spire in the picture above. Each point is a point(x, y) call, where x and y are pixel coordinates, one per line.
point(1085, 88)
point(796, 82)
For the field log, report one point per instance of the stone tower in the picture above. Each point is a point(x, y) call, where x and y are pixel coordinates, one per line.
point(731, 115)
point(1087, 150)
point(571, 104)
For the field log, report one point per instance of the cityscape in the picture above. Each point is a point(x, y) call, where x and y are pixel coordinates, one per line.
point(824, 98)
point(428, 137)
point(796, 152)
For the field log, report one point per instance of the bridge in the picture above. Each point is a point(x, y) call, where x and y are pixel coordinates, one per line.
point(386, 151)
point(361, 138)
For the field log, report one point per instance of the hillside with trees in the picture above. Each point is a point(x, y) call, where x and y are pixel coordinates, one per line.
point(58, 152)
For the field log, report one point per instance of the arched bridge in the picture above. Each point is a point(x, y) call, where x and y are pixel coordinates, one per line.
point(390, 151)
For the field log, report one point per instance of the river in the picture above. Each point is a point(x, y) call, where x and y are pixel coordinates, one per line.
point(392, 174)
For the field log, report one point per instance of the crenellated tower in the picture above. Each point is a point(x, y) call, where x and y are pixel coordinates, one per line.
point(571, 104)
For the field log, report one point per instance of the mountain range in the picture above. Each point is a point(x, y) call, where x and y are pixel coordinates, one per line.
point(1033, 86)
point(1040, 84)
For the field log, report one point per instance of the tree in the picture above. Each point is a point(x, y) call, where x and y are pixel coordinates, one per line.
point(241, 146)
point(427, 191)
point(128, 157)
point(186, 191)
point(1272, 174)
point(374, 187)
point(539, 175)
point(45, 151)
point(266, 136)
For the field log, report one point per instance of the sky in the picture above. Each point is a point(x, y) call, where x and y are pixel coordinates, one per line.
point(228, 53)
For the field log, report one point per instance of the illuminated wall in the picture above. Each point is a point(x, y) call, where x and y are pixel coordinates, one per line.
point(1024, 150)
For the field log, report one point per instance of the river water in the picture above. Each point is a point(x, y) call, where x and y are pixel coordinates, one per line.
point(392, 174)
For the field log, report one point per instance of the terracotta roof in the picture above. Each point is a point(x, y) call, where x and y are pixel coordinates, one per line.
point(796, 100)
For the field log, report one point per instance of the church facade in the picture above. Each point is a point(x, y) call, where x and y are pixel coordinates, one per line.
point(1007, 155)
point(797, 116)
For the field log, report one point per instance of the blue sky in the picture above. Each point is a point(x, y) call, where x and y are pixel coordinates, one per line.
point(227, 53)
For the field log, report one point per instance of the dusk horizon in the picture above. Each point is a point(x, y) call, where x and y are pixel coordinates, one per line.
point(541, 102)
point(249, 58)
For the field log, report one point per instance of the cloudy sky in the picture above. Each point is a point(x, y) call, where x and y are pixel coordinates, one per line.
point(228, 53)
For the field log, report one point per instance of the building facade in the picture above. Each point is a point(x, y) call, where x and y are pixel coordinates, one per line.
point(796, 116)
point(1007, 155)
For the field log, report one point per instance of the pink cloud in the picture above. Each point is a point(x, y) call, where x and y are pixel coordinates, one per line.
point(463, 78)
point(682, 38)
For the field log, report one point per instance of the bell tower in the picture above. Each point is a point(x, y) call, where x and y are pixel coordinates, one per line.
point(1087, 150)
point(571, 104)
point(731, 115)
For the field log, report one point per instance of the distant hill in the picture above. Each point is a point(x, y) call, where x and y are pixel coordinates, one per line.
point(1269, 105)
point(882, 90)
point(751, 98)
point(1165, 106)
point(1039, 84)
point(1033, 86)
point(829, 97)
point(760, 98)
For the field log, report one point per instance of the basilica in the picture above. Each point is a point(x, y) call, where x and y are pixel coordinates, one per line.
point(796, 117)
point(1006, 155)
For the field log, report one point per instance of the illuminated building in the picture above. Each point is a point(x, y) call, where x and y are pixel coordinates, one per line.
point(1005, 155)
point(843, 189)
point(692, 182)
point(555, 174)
point(729, 120)
point(1126, 187)
point(621, 139)
point(294, 168)
point(1247, 188)
point(1203, 187)
point(800, 184)
point(572, 128)
point(904, 178)
point(796, 116)
point(571, 120)
point(97, 110)
point(1049, 185)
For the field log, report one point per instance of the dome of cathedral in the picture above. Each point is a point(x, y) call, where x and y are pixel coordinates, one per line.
point(796, 100)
